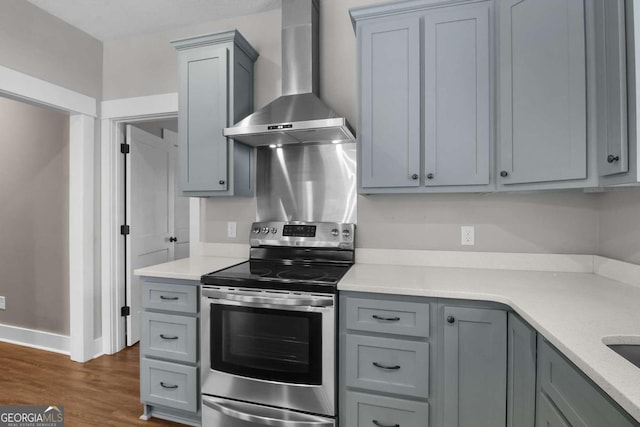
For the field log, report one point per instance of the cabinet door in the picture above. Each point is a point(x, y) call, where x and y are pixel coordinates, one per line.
point(390, 103)
point(611, 77)
point(456, 96)
point(521, 364)
point(203, 115)
point(475, 367)
point(548, 414)
point(542, 84)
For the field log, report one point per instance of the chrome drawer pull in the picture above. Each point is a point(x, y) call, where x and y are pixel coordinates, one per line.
point(390, 368)
point(164, 337)
point(168, 298)
point(170, 386)
point(386, 319)
point(379, 424)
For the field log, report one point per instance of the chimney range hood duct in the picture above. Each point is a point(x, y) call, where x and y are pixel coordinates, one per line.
point(298, 116)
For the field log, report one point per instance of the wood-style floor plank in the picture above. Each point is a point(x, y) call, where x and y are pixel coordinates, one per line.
point(102, 392)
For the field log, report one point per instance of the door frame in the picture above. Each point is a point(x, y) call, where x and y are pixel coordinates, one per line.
point(115, 114)
point(82, 111)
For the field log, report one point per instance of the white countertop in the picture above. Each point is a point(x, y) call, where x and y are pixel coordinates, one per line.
point(574, 311)
point(188, 268)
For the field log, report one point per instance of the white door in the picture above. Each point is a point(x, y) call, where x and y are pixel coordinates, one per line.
point(181, 203)
point(150, 213)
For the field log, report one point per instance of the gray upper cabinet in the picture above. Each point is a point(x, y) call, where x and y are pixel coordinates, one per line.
point(457, 96)
point(389, 131)
point(425, 97)
point(215, 91)
point(542, 91)
point(475, 367)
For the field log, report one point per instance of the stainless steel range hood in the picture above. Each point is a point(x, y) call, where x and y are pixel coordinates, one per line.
point(298, 116)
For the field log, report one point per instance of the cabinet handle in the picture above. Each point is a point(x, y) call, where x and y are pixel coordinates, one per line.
point(612, 159)
point(414, 176)
point(379, 424)
point(504, 174)
point(168, 298)
point(221, 182)
point(451, 319)
point(170, 386)
point(389, 368)
point(164, 337)
point(386, 319)
point(429, 176)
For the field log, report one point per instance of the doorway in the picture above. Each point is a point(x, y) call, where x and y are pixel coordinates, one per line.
point(156, 214)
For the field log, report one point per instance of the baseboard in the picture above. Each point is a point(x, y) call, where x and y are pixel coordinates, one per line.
point(98, 349)
point(36, 339)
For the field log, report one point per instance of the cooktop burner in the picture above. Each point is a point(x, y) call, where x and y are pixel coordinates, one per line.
point(307, 273)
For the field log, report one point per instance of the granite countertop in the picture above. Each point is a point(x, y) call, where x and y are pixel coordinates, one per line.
point(188, 268)
point(573, 311)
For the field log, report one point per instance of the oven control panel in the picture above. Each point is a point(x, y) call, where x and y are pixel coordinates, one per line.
point(303, 234)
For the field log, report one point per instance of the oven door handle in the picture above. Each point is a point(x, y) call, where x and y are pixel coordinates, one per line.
point(268, 301)
point(268, 418)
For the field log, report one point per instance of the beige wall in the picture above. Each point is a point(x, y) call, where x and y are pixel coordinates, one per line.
point(619, 225)
point(34, 195)
point(36, 43)
point(545, 222)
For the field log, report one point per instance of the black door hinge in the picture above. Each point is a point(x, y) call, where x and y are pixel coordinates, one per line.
point(125, 230)
point(125, 311)
point(125, 148)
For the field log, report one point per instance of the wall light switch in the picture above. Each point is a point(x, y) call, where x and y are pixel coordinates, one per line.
point(2, 304)
point(231, 229)
point(468, 235)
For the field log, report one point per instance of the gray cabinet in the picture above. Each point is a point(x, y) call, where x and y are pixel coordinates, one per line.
point(521, 373)
point(215, 91)
point(425, 97)
point(169, 354)
point(542, 92)
point(475, 367)
point(566, 397)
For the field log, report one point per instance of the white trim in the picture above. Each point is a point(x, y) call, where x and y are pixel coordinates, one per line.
point(621, 271)
point(484, 260)
point(82, 110)
point(115, 113)
point(81, 233)
point(142, 106)
point(32, 89)
point(97, 348)
point(36, 339)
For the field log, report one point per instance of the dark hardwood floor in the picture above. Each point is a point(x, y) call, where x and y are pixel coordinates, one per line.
point(102, 392)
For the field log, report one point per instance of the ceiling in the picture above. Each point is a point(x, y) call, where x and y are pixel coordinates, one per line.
point(114, 19)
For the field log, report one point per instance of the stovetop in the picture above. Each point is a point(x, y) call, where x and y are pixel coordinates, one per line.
point(280, 275)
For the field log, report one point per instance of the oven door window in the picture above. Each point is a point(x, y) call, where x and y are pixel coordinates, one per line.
point(267, 344)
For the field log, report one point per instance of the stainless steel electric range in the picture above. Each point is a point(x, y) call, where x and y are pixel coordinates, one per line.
point(268, 334)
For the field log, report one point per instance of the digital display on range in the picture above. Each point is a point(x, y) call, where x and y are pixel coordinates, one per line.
point(299, 231)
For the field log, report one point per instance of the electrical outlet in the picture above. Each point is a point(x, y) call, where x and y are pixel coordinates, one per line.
point(467, 235)
point(2, 304)
point(231, 229)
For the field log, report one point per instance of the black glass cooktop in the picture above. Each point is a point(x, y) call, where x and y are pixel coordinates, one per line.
point(297, 276)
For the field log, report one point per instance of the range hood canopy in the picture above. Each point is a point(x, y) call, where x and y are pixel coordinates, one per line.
point(298, 116)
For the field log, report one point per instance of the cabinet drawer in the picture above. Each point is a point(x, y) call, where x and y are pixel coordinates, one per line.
point(169, 336)
point(580, 402)
point(363, 410)
point(166, 296)
point(391, 317)
point(169, 384)
point(388, 365)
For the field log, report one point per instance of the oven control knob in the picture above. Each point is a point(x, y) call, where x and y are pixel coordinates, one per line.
point(335, 232)
point(256, 230)
point(346, 233)
point(265, 230)
point(274, 230)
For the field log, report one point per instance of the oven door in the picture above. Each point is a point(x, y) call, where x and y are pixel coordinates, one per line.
point(271, 348)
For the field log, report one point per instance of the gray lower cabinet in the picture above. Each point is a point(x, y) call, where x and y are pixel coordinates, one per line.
point(521, 372)
point(425, 97)
point(566, 397)
point(169, 355)
point(215, 91)
point(475, 367)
